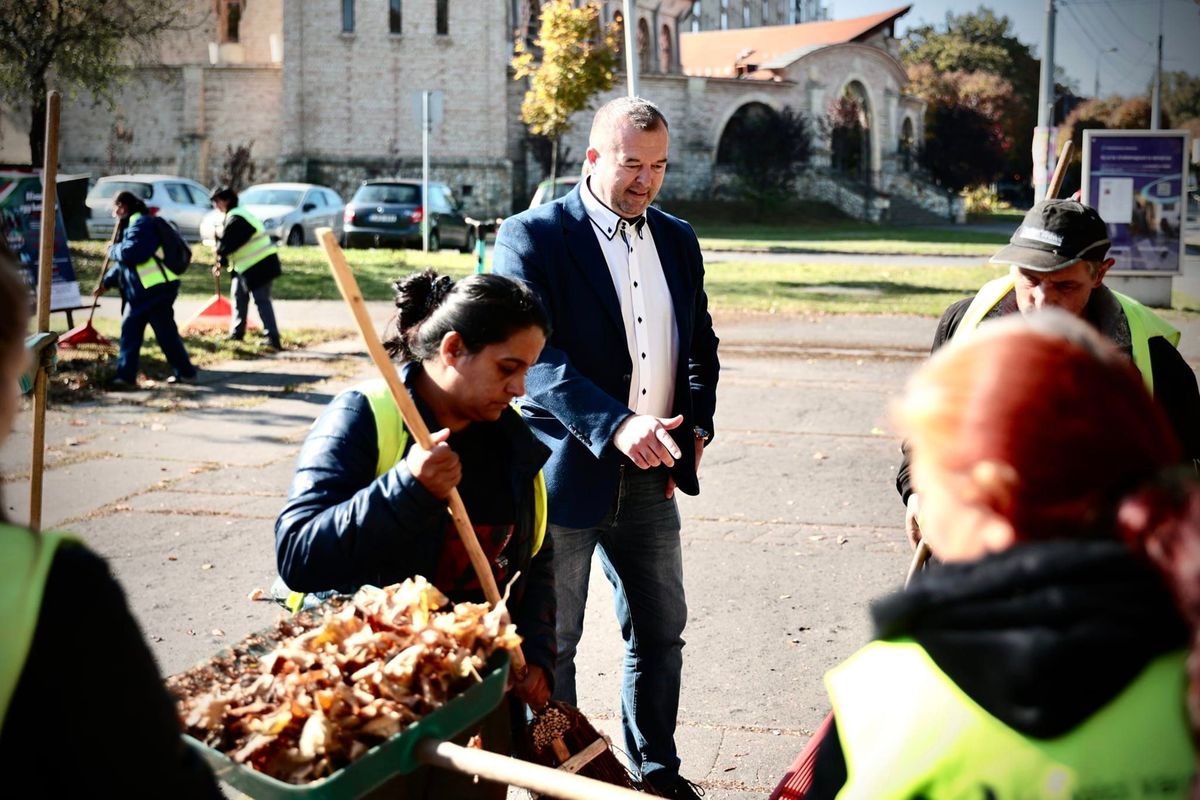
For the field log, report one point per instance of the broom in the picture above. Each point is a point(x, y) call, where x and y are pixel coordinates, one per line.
point(558, 727)
point(87, 333)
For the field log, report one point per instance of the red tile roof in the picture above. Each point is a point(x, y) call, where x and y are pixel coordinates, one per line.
point(717, 53)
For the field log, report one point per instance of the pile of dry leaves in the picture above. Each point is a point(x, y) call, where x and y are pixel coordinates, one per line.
point(311, 696)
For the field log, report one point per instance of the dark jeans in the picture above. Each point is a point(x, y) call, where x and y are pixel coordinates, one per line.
point(262, 301)
point(640, 553)
point(156, 309)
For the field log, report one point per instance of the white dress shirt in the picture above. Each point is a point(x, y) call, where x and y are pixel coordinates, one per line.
point(646, 306)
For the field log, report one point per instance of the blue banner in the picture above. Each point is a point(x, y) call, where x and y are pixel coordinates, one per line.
point(1135, 179)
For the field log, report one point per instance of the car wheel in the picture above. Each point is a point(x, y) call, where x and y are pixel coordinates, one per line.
point(435, 241)
point(295, 236)
point(469, 244)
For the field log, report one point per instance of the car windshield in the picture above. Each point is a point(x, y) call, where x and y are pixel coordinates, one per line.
point(106, 189)
point(270, 197)
point(399, 193)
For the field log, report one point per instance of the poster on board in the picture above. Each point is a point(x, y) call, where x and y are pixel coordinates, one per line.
point(1135, 179)
point(21, 227)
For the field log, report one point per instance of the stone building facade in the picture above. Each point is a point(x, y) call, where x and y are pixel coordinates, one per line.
point(328, 91)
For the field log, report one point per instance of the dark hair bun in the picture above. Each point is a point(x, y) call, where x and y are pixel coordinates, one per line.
point(417, 297)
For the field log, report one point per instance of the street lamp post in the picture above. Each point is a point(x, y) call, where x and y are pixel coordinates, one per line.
point(1099, 55)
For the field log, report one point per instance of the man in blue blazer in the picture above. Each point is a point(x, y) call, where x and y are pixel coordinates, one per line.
point(624, 395)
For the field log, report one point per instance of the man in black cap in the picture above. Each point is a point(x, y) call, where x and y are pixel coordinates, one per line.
point(1058, 259)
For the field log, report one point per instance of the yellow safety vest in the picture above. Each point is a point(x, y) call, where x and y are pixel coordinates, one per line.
point(25, 559)
point(1144, 324)
point(907, 730)
point(259, 247)
point(152, 272)
point(392, 438)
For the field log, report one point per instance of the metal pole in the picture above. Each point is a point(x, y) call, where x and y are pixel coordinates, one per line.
point(1045, 119)
point(631, 56)
point(425, 172)
point(1154, 97)
point(49, 223)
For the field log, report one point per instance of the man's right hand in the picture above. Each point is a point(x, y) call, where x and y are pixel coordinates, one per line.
point(216, 270)
point(438, 469)
point(912, 521)
point(645, 439)
point(99, 290)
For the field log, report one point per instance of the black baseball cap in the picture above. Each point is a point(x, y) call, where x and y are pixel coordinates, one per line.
point(1056, 234)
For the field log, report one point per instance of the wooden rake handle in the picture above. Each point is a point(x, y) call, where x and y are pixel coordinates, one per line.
point(1060, 170)
point(348, 286)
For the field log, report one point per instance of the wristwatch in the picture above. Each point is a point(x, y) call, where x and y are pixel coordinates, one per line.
point(700, 433)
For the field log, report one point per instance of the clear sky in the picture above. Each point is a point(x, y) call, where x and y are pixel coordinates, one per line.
point(1084, 30)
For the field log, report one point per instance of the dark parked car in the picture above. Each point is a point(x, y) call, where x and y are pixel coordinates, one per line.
point(388, 214)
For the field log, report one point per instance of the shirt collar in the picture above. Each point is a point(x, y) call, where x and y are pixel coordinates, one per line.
point(604, 218)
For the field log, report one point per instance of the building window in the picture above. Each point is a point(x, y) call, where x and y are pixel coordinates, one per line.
point(664, 50)
point(395, 17)
point(232, 22)
point(443, 17)
point(697, 9)
point(643, 46)
point(724, 15)
point(745, 13)
point(347, 16)
point(766, 12)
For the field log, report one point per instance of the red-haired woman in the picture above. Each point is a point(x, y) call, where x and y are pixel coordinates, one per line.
point(1046, 656)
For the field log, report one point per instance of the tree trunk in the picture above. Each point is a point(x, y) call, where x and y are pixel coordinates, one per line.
point(553, 166)
point(37, 129)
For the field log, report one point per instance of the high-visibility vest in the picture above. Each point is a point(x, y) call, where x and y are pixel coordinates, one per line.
point(259, 247)
point(25, 559)
point(152, 271)
point(1144, 324)
point(392, 438)
point(907, 730)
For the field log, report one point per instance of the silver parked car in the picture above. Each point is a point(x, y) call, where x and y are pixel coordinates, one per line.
point(180, 201)
point(291, 212)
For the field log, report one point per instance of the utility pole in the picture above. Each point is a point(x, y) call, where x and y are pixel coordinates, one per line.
point(631, 55)
point(425, 125)
point(1042, 147)
point(1154, 97)
point(1099, 55)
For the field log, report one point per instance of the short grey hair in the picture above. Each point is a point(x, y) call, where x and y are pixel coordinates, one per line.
point(637, 111)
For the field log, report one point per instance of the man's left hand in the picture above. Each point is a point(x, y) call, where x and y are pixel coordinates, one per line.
point(216, 270)
point(533, 689)
point(699, 455)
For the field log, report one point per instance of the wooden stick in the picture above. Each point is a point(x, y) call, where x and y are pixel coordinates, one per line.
point(348, 286)
point(503, 769)
point(45, 263)
point(918, 561)
point(1060, 170)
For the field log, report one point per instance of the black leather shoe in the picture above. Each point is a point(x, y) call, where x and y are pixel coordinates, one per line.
point(674, 786)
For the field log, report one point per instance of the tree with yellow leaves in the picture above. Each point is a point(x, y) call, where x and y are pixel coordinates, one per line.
point(578, 60)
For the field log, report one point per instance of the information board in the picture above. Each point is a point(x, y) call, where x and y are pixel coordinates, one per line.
point(21, 227)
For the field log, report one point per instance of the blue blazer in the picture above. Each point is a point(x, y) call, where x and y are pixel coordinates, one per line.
point(577, 393)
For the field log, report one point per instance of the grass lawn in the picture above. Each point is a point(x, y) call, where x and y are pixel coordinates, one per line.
point(840, 288)
point(849, 237)
point(306, 274)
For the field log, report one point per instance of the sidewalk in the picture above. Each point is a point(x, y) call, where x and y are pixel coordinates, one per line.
point(797, 527)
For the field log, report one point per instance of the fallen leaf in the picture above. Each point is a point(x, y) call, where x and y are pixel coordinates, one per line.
point(816, 538)
point(218, 632)
point(122, 507)
point(784, 596)
point(877, 431)
point(172, 557)
point(842, 540)
point(70, 441)
point(206, 566)
point(191, 632)
point(819, 456)
point(730, 769)
point(156, 638)
point(78, 423)
point(257, 594)
point(158, 426)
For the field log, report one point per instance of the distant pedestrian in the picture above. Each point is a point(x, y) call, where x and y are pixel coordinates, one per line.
point(246, 250)
point(148, 291)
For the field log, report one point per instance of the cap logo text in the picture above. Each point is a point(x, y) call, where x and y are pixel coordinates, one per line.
point(1040, 235)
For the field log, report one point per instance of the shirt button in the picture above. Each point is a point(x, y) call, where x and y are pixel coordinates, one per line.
point(635, 284)
point(643, 355)
point(639, 319)
point(643, 391)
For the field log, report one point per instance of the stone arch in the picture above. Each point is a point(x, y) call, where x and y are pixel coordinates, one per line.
point(731, 134)
point(853, 136)
point(906, 147)
point(722, 122)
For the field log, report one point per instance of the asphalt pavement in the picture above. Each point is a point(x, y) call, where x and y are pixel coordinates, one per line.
point(796, 528)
